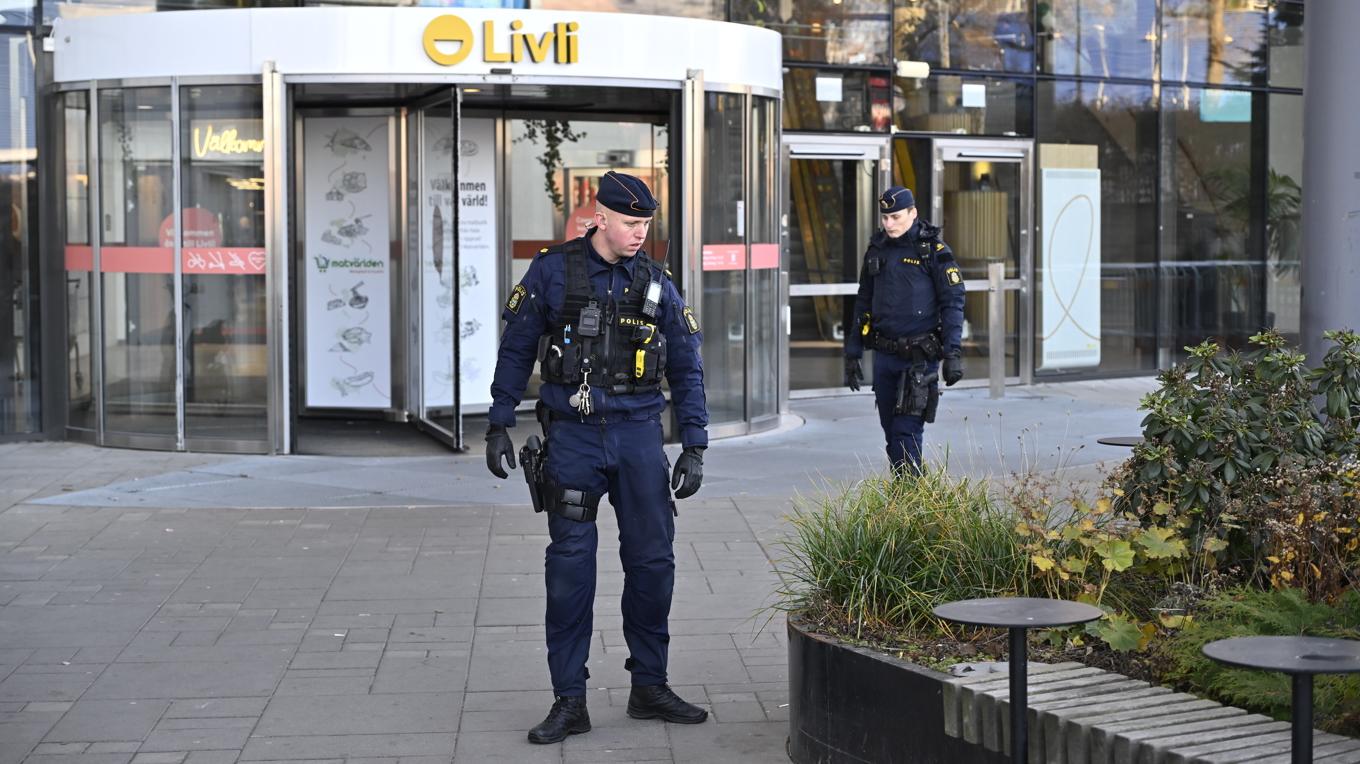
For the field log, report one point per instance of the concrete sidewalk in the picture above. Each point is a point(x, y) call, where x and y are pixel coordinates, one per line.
point(203, 608)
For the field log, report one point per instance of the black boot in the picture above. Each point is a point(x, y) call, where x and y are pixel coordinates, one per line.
point(567, 717)
point(659, 701)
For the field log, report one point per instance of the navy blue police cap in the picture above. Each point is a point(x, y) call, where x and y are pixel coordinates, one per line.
point(895, 199)
point(626, 194)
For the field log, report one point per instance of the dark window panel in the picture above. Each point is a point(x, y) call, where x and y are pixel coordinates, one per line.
point(1120, 121)
point(1214, 41)
point(948, 103)
point(1212, 269)
point(852, 32)
point(1286, 45)
point(1284, 191)
point(19, 395)
point(1099, 38)
point(994, 35)
point(820, 99)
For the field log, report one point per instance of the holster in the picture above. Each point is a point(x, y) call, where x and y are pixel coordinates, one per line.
point(532, 458)
point(546, 495)
point(918, 392)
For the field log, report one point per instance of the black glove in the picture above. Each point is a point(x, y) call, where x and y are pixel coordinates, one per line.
point(854, 374)
point(953, 369)
point(688, 473)
point(498, 446)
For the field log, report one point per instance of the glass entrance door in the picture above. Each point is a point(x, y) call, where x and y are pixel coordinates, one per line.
point(831, 214)
point(982, 198)
point(439, 279)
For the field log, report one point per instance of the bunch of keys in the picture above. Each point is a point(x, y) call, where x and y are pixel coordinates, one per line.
point(580, 400)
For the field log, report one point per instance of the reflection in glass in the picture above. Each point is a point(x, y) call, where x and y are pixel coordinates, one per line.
point(699, 9)
point(1211, 274)
point(977, 341)
point(79, 259)
point(1116, 125)
point(836, 100)
point(137, 260)
point(1286, 44)
point(832, 215)
point(982, 223)
point(1213, 41)
point(19, 395)
point(223, 239)
point(982, 215)
point(723, 279)
point(765, 258)
point(966, 34)
point(852, 32)
point(947, 103)
point(1284, 192)
point(1098, 38)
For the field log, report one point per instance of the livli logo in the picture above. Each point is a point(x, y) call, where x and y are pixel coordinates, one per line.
point(448, 41)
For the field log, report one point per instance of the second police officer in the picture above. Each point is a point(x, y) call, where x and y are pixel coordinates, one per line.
point(606, 326)
point(909, 310)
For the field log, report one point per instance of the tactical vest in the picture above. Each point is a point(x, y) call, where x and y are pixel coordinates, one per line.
point(920, 347)
point(614, 344)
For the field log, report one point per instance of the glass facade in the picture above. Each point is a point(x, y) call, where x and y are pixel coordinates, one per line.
point(20, 398)
point(1119, 122)
point(1189, 109)
point(222, 239)
point(722, 306)
point(1212, 272)
point(170, 350)
point(137, 261)
point(81, 413)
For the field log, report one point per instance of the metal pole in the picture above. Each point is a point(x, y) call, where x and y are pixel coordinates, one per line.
point(1301, 746)
point(1331, 164)
point(1019, 697)
point(996, 329)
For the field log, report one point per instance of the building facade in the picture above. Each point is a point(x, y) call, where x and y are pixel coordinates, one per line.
point(1129, 172)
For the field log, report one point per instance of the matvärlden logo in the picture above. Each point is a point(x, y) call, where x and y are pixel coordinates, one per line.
point(324, 263)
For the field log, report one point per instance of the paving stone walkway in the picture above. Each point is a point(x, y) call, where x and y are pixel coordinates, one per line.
point(203, 609)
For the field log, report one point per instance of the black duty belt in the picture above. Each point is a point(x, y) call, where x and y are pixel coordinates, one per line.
point(919, 347)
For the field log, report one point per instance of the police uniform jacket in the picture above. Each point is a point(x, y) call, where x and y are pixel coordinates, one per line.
point(909, 286)
point(534, 307)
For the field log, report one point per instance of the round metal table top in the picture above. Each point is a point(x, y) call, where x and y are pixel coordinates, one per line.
point(1291, 655)
point(1127, 441)
point(1017, 612)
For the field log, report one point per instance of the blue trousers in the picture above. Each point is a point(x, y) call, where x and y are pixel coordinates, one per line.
point(623, 459)
point(904, 434)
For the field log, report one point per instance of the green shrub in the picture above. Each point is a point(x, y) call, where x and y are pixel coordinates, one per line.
point(1236, 452)
point(1090, 552)
point(1283, 612)
point(877, 556)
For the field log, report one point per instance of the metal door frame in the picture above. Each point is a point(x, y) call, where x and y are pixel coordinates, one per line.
point(842, 148)
point(1011, 151)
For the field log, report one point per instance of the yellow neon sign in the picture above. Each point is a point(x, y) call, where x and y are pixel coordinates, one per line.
point(559, 44)
point(208, 142)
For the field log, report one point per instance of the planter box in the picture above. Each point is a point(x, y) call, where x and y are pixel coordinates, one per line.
point(851, 705)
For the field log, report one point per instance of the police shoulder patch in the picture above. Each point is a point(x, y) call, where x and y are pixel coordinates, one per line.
point(691, 322)
point(938, 246)
point(952, 274)
point(516, 300)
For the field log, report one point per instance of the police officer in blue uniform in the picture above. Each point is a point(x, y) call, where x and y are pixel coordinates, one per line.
point(909, 310)
point(606, 326)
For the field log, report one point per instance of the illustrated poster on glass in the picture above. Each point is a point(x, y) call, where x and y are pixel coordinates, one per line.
point(478, 290)
point(348, 268)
